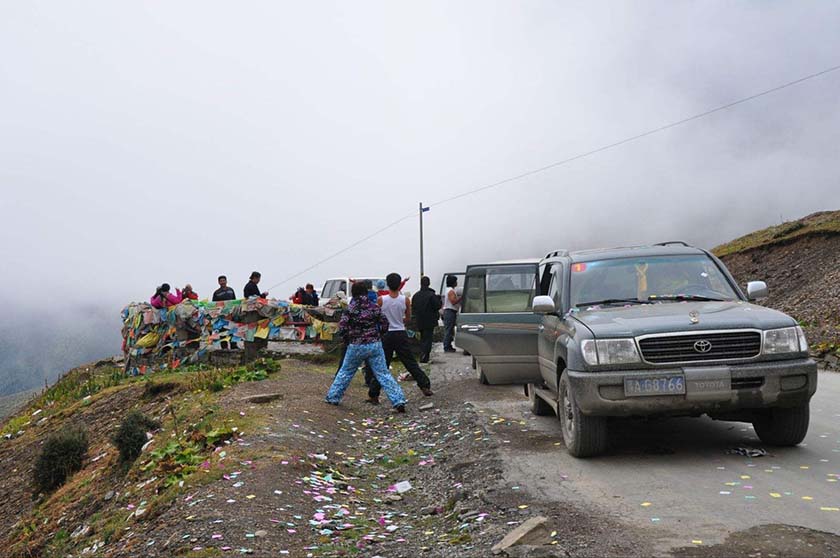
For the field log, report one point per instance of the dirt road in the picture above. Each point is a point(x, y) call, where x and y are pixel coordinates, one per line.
point(672, 481)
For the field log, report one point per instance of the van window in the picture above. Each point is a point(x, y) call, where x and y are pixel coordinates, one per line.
point(502, 289)
point(327, 291)
point(510, 288)
point(474, 294)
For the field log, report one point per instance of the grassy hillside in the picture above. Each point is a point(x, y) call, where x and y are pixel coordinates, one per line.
point(821, 223)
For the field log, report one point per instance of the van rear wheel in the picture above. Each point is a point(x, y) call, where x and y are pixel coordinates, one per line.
point(585, 436)
point(539, 406)
point(781, 426)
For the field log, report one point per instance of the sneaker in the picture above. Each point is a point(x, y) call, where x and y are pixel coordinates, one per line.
point(450, 351)
point(372, 400)
point(405, 376)
point(399, 408)
point(334, 403)
point(427, 392)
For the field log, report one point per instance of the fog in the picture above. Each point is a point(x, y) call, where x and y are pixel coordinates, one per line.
point(176, 141)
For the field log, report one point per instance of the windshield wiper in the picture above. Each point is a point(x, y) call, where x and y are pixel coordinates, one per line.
point(684, 297)
point(613, 301)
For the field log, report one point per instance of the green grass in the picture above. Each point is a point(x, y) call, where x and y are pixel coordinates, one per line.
point(825, 222)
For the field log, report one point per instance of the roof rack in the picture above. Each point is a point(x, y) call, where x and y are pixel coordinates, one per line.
point(557, 253)
point(680, 242)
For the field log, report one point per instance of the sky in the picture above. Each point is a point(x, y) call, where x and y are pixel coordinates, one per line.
point(172, 142)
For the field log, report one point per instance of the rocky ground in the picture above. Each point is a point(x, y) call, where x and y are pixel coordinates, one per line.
point(292, 476)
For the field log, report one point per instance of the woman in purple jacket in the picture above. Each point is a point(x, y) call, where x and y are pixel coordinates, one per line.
point(362, 324)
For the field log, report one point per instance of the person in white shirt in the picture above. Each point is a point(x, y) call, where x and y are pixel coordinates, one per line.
point(450, 313)
point(397, 309)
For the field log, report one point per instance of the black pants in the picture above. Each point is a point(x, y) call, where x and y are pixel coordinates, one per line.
point(397, 341)
point(427, 335)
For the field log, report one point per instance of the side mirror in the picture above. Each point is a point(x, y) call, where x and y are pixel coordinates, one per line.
point(543, 305)
point(757, 290)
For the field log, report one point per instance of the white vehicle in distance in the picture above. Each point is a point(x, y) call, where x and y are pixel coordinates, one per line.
point(332, 286)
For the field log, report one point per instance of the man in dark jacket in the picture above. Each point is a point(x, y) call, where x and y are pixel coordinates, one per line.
point(426, 307)
point(251, 288)
point(221, 294)
point(309, 296)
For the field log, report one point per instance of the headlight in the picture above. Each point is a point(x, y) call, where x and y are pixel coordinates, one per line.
point(785, 340)
point(590, 353)
point(609, 351)
point(803, 343)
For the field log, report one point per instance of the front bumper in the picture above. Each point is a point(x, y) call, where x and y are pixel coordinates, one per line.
point(709, 389)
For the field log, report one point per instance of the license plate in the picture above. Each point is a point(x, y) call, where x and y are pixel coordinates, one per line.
point(659, 385)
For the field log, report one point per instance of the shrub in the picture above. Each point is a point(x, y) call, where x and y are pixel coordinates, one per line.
point(61, 456)
point(268, 364)
point(131, 436)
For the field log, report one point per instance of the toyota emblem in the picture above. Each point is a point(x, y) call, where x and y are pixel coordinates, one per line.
point(702, 346)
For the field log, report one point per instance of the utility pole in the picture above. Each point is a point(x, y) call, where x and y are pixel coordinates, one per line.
point(422, 211)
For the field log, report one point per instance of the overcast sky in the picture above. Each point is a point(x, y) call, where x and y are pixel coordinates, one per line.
point(174, 141)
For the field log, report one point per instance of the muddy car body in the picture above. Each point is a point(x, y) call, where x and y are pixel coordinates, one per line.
point(657, 331)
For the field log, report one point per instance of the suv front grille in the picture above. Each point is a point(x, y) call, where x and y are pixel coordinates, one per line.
point(700, 347)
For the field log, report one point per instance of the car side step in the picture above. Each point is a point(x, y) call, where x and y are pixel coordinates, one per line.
point(548, 396)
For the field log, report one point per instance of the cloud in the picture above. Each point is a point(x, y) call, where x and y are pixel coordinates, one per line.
point(144, 143)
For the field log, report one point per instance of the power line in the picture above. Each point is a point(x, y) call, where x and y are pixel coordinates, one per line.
point(636, 137)
point(569, 160)
point(343, 250)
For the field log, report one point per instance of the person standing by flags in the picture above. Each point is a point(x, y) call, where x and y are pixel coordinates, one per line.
point(251, 288)
point(221, 294)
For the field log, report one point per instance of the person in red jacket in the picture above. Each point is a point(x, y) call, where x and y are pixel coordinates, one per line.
point(189, 293)
point(297, 298)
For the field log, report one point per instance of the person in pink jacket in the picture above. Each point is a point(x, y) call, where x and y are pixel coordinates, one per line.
point(164, 299)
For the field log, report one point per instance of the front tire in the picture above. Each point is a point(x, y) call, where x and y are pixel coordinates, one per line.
point(783, 426)
point(539, 406)
point(585, 436)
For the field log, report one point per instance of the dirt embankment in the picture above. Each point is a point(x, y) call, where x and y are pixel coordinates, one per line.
point(804, 280)
point(800, 261)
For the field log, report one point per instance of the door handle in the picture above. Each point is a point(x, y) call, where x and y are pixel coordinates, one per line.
point(472, 327)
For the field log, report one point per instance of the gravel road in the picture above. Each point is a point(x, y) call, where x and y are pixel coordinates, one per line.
point(673, 481)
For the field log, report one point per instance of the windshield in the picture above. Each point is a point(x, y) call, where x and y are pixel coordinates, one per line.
point(648, 279)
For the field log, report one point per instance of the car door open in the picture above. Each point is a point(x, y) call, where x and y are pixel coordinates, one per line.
point(496, 324)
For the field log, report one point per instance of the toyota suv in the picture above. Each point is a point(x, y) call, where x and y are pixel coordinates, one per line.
point(660, 330)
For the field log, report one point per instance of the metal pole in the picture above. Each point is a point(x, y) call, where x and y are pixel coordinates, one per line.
point(421, 240)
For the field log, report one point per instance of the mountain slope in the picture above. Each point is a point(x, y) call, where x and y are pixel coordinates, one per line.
point(800, 261)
